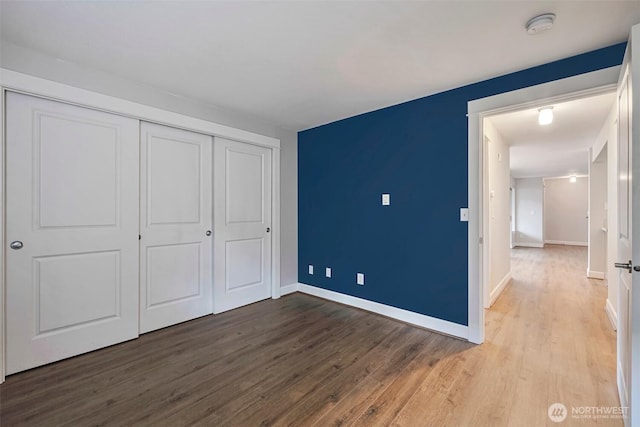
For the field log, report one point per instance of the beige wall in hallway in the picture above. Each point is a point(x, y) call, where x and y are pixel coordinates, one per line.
point(565, 210)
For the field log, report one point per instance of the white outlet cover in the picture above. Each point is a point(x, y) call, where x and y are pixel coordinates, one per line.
point(464, 214)
point(310, 269)
point(360, 278)
point(327, 271)
point(386, 199)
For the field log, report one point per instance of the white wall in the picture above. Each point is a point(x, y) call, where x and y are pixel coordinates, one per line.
point(499, 211)
point(34, 63)
point(565, 211)
point(529, 212)
point(597, 252)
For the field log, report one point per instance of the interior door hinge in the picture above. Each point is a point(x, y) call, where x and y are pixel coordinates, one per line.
point(480, 240)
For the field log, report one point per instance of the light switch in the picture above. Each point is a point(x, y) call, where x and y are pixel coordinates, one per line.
point(327, 271)
point(386, 199)
point(360, 278)
point(464, 214)
point(310, 269)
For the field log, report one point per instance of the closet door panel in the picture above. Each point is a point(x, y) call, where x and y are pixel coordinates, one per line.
point(72, 230)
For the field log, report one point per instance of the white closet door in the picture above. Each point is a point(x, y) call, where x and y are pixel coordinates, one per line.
point(72, 228)
point(242, 243)
point(175, 225)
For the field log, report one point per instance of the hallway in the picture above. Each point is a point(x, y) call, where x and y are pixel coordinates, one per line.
point(552, 338)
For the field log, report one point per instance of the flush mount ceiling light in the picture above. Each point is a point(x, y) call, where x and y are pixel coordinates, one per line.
point(572, 179)
point(545, 116)
point(540, 23)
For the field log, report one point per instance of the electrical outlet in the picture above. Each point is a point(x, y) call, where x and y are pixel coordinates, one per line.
point(310, 269)
point(464, 214)
point(327, 271)
point(360, 279)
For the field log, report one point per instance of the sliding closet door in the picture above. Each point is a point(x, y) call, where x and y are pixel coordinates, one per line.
point(72, 230)
point(243, 224)
point(175, 226)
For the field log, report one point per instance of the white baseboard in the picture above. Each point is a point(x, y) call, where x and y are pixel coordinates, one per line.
point(611, 314)
point(495, 293)
point(427, 322)
point(592, 274)
point(289, 289)
point(528, 245)
point(564, 242)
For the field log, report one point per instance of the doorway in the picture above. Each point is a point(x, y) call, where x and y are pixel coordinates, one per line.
point(589, 84)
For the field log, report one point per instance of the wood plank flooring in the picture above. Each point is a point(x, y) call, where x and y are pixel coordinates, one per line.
point(302, 361)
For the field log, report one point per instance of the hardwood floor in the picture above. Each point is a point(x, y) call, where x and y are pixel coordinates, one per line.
point(303, 361)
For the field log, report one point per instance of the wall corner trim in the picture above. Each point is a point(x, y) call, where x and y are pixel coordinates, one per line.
point(421, 320)
point(611, 314)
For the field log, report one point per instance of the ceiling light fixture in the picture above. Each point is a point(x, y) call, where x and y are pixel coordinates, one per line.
point(545, 116)
point(572, 179)
point(540, 23)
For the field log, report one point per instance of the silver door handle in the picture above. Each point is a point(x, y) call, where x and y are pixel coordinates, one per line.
point(16, 244)
point(208, 233)
point(627, 266)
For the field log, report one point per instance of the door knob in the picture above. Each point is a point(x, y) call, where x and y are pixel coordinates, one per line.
point(208, 233)
point(627, 265)
point(268, 229)
point(16, 244)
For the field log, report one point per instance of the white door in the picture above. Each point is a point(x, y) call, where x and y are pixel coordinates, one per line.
point(72, 225)
point(629, 228)
point(175, 226)
point(242, 217)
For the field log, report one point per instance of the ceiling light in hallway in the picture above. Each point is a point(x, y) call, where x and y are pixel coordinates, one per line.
point(545, 116)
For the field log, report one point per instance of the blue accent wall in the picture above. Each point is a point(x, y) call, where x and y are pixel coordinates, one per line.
point(413, 252)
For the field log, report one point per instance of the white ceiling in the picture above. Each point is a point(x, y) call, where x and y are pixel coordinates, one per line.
point(558, 149)
point(305, 63)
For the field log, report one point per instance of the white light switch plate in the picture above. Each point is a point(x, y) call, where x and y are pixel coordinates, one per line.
point(386, 199)
point(310, 269)
point(327, 271)
point(464, 214)
point(360, 278)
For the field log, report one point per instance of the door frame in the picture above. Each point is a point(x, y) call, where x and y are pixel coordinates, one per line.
point(35, 86)
point(580, 86)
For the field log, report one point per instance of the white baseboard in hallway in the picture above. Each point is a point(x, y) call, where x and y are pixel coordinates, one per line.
point(564, 242)
point(611, 314)
point(592, 274)
point(528, 245)
point(495, 293)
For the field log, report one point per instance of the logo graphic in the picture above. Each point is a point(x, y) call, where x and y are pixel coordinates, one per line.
point(557, 412)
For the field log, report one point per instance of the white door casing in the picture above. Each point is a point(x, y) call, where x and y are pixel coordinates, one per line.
point(175, 226)
point(72, 200)
point(579, 86)
point(628, 331)
point(242, 218)
point(624, 241)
